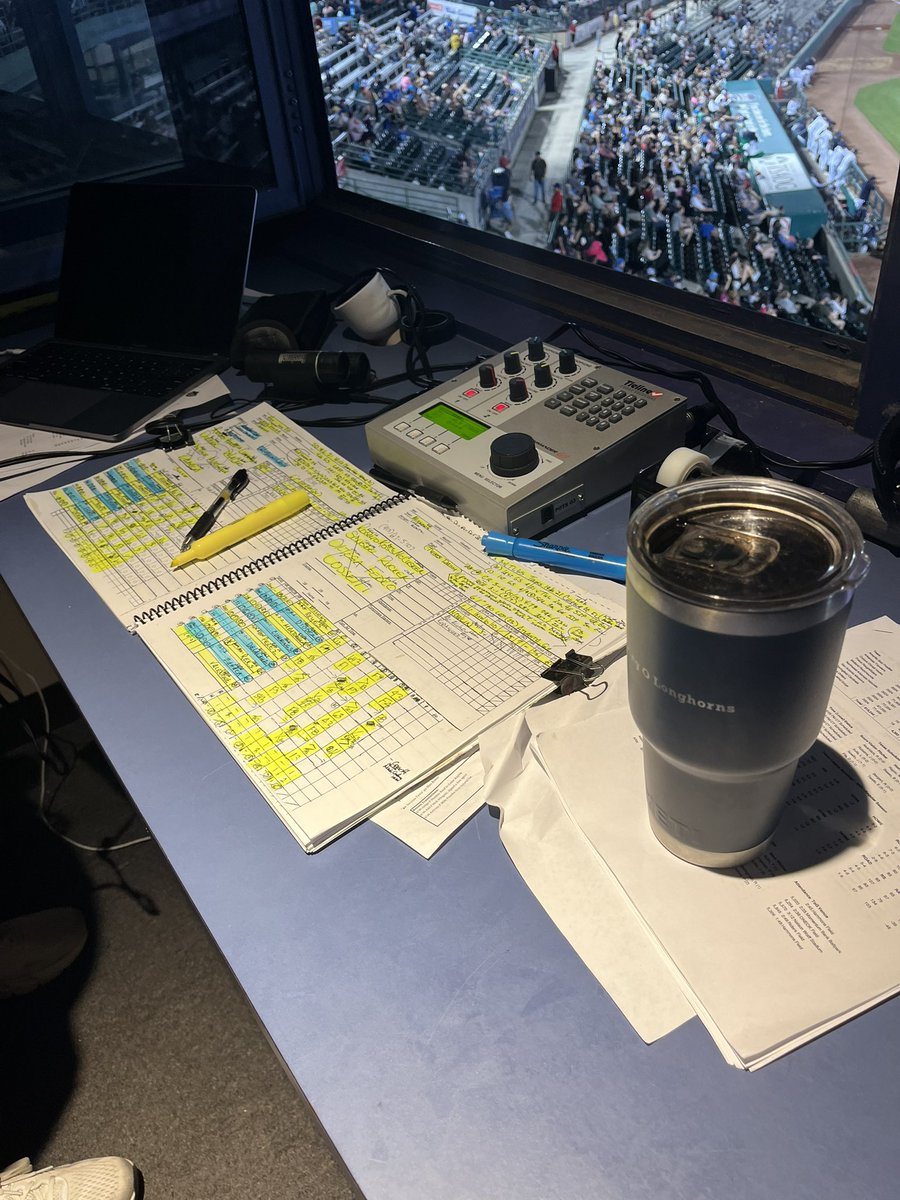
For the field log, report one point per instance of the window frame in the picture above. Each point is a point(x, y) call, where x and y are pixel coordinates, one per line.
point(801, 365)
point(282, 44)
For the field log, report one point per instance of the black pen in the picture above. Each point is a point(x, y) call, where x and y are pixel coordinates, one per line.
point(205, 522)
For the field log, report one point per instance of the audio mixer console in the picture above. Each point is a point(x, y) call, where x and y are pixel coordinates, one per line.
point(530, 438)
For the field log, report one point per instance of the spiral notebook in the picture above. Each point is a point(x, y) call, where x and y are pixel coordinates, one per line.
point(343, 656)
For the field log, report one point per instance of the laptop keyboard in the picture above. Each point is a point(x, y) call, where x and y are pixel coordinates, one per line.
point(135, 372)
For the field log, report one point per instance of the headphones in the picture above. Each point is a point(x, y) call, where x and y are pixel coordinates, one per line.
point(885, 474)
point(287, 322)
point(378, 307)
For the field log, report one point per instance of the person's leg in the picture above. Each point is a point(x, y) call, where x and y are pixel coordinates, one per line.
point(36, 947)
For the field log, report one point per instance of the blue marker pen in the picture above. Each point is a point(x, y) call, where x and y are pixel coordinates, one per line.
point(587, 562)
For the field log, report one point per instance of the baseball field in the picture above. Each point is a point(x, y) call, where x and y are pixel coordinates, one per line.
point(880, 102)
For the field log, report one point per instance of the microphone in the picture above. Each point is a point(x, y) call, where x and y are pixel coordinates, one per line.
point(307, 370)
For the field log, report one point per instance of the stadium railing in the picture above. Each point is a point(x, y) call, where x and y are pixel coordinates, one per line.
point(465, 209)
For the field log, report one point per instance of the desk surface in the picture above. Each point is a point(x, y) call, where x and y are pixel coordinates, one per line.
point(449, 1039)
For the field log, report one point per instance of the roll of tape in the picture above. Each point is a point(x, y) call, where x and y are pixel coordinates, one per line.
point(682, 464)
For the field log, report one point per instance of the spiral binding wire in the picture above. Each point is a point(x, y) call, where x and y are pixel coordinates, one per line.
point(271, 559)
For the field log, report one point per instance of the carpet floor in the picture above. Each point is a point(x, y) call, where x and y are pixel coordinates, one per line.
point(145, 1046)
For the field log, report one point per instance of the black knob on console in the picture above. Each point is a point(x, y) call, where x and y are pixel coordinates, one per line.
point(567, 363)
point(535, 349)
point(543, 376)
point(512, 363)
point(513, 454)
point(518, 390)
point(487, 376)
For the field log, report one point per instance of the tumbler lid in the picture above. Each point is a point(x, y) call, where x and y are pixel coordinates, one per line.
point(746, 543)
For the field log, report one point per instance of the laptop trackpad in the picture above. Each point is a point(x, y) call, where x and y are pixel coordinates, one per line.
point(109, 416)
point(23, 401)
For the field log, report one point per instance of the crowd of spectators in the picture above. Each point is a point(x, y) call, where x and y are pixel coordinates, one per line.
point(416, 74)
point(660, 181)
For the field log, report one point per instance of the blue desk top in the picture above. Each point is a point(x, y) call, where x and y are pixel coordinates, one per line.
point(449, 1039)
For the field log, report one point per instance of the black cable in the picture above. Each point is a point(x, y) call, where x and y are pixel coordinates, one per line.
point(689, 376)
point(182, 415)
point(291, 404)
point(339, 422)
point(6, 682)
point(114, 448)
point(291, 401)
point(412, 329)
point(405, 376)
point(61, 767)
point(781, 460)
point(21, 698)
point(759, 455)
point(143, 899)
point(885, 462)
point(57, 760)
point(57, 824)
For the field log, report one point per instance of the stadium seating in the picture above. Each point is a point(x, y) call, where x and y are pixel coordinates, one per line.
point(470, 98)
point(795, 272)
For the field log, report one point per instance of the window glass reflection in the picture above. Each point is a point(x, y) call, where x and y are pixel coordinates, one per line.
point(703, 146)
point(91, 89)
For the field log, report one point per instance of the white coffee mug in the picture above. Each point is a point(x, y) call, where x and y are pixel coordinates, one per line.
point(372, 312)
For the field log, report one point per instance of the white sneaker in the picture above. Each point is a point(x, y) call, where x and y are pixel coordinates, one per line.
point(36, 947)
point(90, 1179)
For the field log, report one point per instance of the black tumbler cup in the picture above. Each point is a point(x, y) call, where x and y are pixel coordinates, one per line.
point(738, 594)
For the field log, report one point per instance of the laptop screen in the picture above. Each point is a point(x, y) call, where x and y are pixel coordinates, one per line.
point(155, 265)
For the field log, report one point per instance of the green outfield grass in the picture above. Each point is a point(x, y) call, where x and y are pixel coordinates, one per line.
point(880, 105)
point(892, 41)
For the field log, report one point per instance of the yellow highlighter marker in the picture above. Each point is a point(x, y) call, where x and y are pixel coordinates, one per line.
point(246, 527)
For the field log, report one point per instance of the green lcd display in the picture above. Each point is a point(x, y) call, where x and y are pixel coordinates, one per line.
point(454, 421)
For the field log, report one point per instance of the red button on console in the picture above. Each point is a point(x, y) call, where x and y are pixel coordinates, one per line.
point(471, 392)
point(500, 408)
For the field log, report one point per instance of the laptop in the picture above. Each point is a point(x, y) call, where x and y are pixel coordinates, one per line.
point(150, 292)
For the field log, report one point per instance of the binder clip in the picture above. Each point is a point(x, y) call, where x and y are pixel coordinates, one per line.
point(577, 671)
point(169, 433)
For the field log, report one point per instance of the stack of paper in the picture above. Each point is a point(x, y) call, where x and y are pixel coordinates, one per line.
point(561, 867)
point(775, 953)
